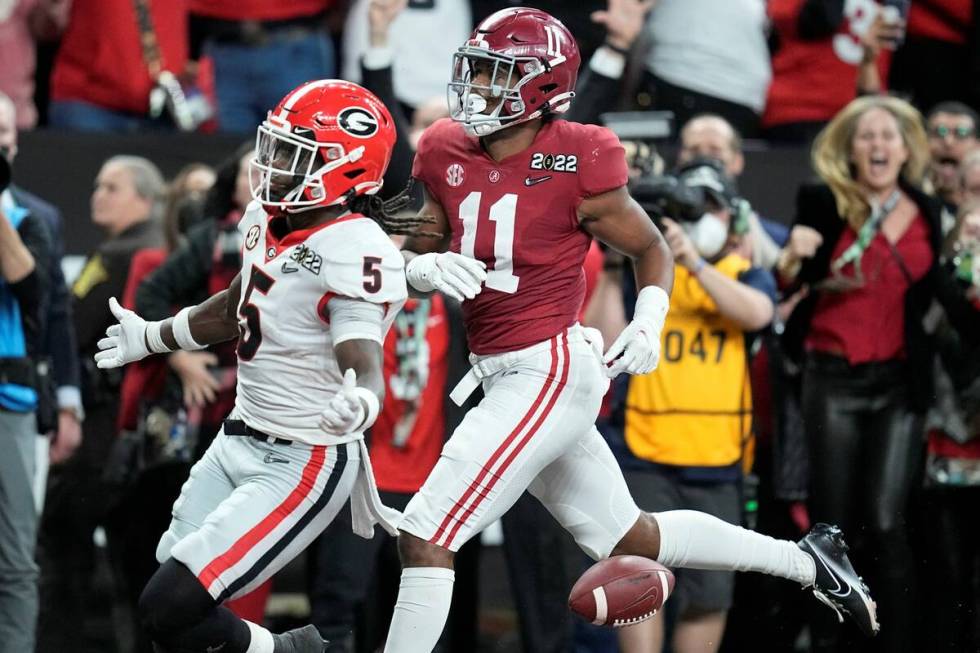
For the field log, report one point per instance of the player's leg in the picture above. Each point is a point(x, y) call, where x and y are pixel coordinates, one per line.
point(586, 492)
point(701, 598)
point(285, 495)
point(531, 412)
point(173, 588)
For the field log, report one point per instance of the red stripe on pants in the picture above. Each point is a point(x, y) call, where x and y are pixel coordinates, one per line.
point(549, 381)
point(513, 454)
point(246, 542)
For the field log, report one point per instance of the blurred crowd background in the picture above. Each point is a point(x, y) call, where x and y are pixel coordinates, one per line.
point(825, 367)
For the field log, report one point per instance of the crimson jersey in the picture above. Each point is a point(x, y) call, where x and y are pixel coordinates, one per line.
point(520, 217)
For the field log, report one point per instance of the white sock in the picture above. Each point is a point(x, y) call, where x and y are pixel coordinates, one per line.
point(700, 541)
point(420, 613)
point(261, 641)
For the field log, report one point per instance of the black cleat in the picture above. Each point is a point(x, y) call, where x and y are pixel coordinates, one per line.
point(300, 640)
point(837, 584)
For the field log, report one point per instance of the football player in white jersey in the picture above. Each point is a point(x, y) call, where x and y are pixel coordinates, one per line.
point(320, 284)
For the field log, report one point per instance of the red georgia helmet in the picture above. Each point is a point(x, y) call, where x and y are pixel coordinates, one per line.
point(532, 61)
point(326, 142)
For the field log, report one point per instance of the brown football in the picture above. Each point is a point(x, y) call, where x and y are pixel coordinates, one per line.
point(621, 591)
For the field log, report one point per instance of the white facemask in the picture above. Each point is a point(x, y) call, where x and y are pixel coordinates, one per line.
point(708, 234)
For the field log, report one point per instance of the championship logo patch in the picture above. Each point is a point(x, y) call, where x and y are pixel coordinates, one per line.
point(454, 175)
point(252, 237)
point(357, 122)
point(554, 162)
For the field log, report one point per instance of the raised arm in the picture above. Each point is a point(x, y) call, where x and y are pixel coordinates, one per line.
point(429, 267)
point(133, 338)
point(359, 401)
point(357, 330)
point(416, 245)
point(212, 321)
point(617, 220)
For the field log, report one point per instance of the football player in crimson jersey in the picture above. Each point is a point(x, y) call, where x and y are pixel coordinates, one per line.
point(520, 194)
point(321, 282)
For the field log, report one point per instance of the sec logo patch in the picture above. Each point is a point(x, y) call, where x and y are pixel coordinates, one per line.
point(454, 175)
point(252, 237)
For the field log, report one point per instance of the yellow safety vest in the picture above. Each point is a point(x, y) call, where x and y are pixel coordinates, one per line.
point(695, 409)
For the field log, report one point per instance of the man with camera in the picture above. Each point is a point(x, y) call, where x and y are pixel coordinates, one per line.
point(59, 402)
point(711, 136)
point(688, 424)
point(24, 257)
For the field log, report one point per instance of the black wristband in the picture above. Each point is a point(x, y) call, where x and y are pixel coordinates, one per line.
point(616, 48)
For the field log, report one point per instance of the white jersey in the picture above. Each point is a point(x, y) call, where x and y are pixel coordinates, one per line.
point(286, 366)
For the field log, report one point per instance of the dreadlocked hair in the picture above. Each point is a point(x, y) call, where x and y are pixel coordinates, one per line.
point(385, 213)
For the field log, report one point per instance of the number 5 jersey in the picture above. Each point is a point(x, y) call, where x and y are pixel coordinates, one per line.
point(520, 217)
point(286, 366)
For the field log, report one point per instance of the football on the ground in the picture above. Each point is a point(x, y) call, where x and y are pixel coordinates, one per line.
point(621, 591)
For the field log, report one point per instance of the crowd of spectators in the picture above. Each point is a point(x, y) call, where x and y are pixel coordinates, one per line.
point(817, 366)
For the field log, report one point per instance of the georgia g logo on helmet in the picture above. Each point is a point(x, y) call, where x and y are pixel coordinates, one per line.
point(358, 122)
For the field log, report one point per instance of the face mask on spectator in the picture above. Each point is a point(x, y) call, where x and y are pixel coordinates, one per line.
point(708, 234)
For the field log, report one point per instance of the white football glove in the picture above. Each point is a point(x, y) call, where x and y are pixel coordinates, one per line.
point(637, 349)
point(345, 411)
point(124, 342)
point(453, 274)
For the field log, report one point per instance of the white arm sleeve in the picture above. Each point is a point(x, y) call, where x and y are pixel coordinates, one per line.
point(355, 319)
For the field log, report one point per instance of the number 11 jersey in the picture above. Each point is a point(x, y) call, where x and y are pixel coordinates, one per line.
point(520, 217)
point(286, 367)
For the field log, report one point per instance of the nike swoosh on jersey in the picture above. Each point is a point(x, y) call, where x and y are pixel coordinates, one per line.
point(531, 181)
point(287, 268)
point(270, 458)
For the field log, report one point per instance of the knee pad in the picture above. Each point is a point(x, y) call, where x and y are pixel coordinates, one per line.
point(173, 600)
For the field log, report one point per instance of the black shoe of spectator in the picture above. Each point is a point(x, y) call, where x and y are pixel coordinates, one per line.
point(300, 640)
point(837, 584)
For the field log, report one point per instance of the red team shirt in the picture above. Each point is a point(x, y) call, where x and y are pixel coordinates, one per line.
point(520, 217)
point(404, 468)
point(813, 79)
point(868, 324)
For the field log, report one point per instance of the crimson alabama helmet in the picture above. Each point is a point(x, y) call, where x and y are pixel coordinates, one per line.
point(326, 142)
point(523, 57)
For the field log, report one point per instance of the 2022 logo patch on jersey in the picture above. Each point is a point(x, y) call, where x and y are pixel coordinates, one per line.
point(554, 162)
point(306, 257)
